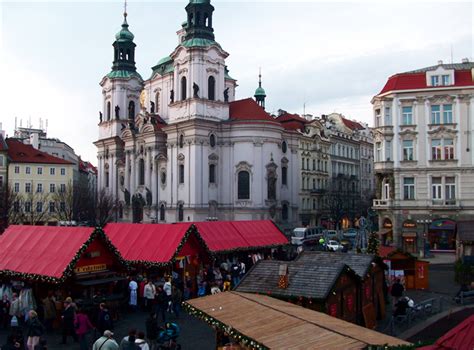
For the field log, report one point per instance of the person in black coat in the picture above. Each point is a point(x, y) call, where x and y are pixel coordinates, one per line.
point(152, 330)
point(104, 321)
point(34, 329)
point(397, 291)
point(68, 316)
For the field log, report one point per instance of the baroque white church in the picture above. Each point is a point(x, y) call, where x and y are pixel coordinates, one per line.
point(179, 147)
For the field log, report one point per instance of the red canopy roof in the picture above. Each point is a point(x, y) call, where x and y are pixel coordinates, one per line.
point(150, 243)
point(21, 153)
point(229, 235)
point(41, 250)
point(460, 337)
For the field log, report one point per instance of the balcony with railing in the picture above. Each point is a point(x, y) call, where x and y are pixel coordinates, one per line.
point(382, 203)
point(383, 166)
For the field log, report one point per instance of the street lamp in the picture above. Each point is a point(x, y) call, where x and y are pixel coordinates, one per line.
point(425, 223)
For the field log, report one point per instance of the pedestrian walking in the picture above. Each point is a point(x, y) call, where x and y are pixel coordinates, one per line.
point(161, 303)
point(49, 311)
point(133, 286)
point(4, 311)
point(176, 299)
point(149, 293)
point(168, 290)
point(106, 342)
point(141, 342)
point(82, 325)
point(104, 320)
point(128, 342)
point(397, 291)
point(14, 342)
point(152, 330)
point(235, 273)
point(34, 329)
point(68, 317)
point(15, 311)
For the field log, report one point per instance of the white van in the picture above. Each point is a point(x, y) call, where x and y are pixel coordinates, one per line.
point(306, 235)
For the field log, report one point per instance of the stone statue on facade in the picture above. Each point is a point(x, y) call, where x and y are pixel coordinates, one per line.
point(100, 117)
point(149, 197)
point(196, 90)
point(126, 196)
point(172, 96)
point(226, 95)
point(117, 112)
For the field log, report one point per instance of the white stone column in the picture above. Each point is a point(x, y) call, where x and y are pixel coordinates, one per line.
point(396, 147)
point(154, 174)
point(133, 185)
point(147, 168)
point(113, 176)
point(457, 119)
point(127, 174)
point(100, 173)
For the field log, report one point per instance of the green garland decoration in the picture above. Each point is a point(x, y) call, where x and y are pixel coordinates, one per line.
point(69, 270)
point(191, 230)
point(234, 333)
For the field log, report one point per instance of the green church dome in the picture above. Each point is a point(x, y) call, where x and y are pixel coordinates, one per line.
point(260, 92)
point(124, 34)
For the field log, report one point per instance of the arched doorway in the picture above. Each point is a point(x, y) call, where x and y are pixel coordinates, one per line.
point(137, 208)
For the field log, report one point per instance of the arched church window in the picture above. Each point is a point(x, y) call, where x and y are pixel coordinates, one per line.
point(212, 173)
point(131, 110)
point(211, 88)
point(109, 110)
point(284, 212)
point(180, 212)
point(121, 54)
point(141, 171)
point(181, 141)
point(162, 212)
point(284, 147)
point(127, 57)
point(243, 185)
point(183, 88)
point(163, 177)
point(284, 175)
point(212, 140)
point(107, 178)
point(157, 102)
point(181, 174)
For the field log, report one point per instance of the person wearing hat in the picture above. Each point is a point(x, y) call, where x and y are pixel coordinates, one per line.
point(106, 342)
point(68, 316)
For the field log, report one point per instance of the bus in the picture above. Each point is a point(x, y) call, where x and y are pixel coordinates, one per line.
point(306, 235)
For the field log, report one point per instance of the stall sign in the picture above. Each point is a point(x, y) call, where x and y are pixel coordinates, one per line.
point(409, 224)
point(90, 268)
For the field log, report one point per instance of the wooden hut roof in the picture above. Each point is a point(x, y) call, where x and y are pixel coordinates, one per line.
point(274, 324)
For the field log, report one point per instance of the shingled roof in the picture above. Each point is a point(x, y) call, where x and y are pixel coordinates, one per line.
point(307, 280)
point(360, 263)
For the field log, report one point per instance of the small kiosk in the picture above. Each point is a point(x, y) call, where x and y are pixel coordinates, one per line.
point(412, 272)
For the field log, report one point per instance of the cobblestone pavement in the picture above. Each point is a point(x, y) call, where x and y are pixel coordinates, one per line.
point(195, 334)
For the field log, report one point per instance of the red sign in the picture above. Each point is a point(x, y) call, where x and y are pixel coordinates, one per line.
point(333, 310)
point(350, 302)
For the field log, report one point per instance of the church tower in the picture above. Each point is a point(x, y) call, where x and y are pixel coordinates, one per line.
point(120, 92)
point(260, 92)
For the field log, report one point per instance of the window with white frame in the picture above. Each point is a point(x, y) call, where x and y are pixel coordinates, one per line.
point(16, 187)
point(448, 114)
point(243, 185)
point(450, 189)
point(408, 150)
point(17, 169)
point(62, 188)
point(27, 206)
point(39, 207)
point(63, 171)
point(388, 151)
point(436, 188)
point(446, 80)
point(52, 207)
point(436, 149)
point(52, 171)
point(435, 114)
point(448, 149)
point(28, 187)
point(409, 188)
point(434, 80)
point(378, 118)
point(378, 151)
point(27, 170)
point(39, 188)
point(52, 188)
point(39, 170)
point(407, 115)
point(387, 116)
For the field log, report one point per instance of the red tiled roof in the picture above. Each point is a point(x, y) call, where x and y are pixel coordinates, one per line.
point(351, 124)
point(291, 117)
point(413, 81)
point(248, 109)
point(293, 125)
point(21, 153)
point(41, 250)
point(229, 235)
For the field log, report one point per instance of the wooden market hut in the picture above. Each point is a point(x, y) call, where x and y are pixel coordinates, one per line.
point(327, 288)
point(75, 261)
point(370, 291)
point(415, 272)
point(252, 321)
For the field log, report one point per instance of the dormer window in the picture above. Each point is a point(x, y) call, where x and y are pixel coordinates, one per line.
point(435, 80)
point(446, 80)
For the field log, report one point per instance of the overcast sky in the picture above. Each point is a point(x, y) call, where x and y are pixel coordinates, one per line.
point(330, 56)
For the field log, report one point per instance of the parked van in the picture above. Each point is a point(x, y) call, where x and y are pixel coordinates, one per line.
point(306, 235)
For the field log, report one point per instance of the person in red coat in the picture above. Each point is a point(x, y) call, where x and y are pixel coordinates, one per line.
point(82, 325)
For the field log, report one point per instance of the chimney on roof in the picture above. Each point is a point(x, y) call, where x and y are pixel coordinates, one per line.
point(283, 280)
point(465, 60)
point(440, 62)
point(34, 140)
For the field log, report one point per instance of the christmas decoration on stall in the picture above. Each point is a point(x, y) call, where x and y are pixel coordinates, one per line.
point(69, 270)
point(373, 244)
point(216, 324)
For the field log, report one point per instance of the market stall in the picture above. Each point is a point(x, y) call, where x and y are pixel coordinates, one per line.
point(413, 273)
point(248, 321)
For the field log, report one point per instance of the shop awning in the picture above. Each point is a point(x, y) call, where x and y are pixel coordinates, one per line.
point(268, 322)
point(36, 252)
point(155, 244)
point(460, 337)
point(466, 231)
point(443, 224)
point(221, 236)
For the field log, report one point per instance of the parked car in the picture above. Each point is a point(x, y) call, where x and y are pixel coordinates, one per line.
point(334, 246)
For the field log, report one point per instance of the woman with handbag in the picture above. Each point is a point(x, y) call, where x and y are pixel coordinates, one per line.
point(34, 330)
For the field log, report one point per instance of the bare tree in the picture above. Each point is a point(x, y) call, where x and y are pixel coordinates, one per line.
point(35, 207)
point(105, 208)
point(13, 206)
point(63, 200)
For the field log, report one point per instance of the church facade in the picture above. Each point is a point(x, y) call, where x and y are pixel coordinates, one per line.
point(179, 146)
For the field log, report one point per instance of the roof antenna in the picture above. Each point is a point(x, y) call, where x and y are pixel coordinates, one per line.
point(451, 53)
point(125, 9)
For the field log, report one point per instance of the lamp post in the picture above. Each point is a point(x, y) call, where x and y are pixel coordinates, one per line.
point(425, 223)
